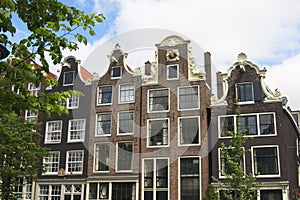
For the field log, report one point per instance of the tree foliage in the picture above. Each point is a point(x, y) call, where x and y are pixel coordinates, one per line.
point(52, 27)
point(237, 185)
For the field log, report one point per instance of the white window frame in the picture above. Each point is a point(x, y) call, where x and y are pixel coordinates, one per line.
point(120, 91)
point(117, 157)
point(50, 157)
point(118, 126)
point(33, 89)
point(95, 160)
point(116, 77)
point(220, 163)
point(148, 100)
point(178, 98)
point(73, 102)
point(77, 130)
point(97, 117)
point(148, 133)
point(98, 96)
point(168, 72)
point(179, 175)
point(257, 124)
point(74, 162)
point(59, 132)
point(237, 93)
point(179, 131)
point(253, 161)
point(155, 189)
point(30, 115)
point(67, 84)
point(62, 190)
point(24, 189)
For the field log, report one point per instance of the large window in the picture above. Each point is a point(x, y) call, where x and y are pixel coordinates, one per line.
point(75, 162)
point(224, 167)
point(51, 163)
point(159, 100)
point(23, 189)
point(125, 156)
point(116, 72)
point(257, 124)
point(245, 92)
point(33, 89)
point(189, 130)
point(172, 72)
point(69, 78)
point(53, 132)
point(271, 194)
point(156, 179)
point(126, 93)
point(190, 178)
point(103, 124)
point(265, 161)
point(76, 130)
point(73, 102)
point(188, 97)
point(125, 123)
point(61, 191)
point(101, 162)
point(104, 95)
point(158, 132)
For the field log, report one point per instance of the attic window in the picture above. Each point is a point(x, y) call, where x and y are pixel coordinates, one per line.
point(116, 72)
point(69, 78)
point(245, 92)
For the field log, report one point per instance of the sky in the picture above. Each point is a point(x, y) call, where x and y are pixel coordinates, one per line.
point(267, 31)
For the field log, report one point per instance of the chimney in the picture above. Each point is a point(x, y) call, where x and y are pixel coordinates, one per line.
point(148, 68)
point(207, 66)
point(219, 85)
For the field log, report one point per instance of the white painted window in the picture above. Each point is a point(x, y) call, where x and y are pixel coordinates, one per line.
point(103, 124)
point(69, 78)
point(23, 189)
point(104, 95)
point(76, 130)
point(61, 191)
point(245, 92)
point(126, 94)
point(30, 115)
point(74, 162)
point(224, 167)
point(124, 156)
point(51, 163)
point(116, 72)
point(33, 89)
point(158, 100)
point(188, 97)
point(189, 131)
point(53, 132)
point(101, 158)
point(73, 102)
point(172, 72)
point(158, 132)
point(126, 123)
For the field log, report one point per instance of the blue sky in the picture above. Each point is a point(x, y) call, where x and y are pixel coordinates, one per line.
point(267, 31)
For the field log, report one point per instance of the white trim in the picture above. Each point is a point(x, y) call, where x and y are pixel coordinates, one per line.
point(112, 97)
point(237, 93)
point(46, 132)
point(95, 158)
point(119, 93)
point(44, 164)
point(148, 134)
point(154, 189)
point(177, 70)
point(69, 131)
point(148, 100)
point(96, 128)
point(120, 72)
point(68, 101)
point(179, 177)
point(257, 124)
point(132, 157)
point(179, 130)
point(178, 96)
point(37, 194)
point(69, 84)
point(118, 123)
point(278, 161)
point(82, 162)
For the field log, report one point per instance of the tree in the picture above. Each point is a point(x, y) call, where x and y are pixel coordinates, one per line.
point(236, 185)
point(52, 26)
point(210, 193)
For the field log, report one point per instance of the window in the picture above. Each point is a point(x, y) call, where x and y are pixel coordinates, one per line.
point(61, 191)
point(271, 194)
point(188, 97)
point(245, 92)
point(257, 124)
point(156, 179)
point(190, 178)
point(125, 122)
point(124, 153)
point(74, 162)
point(123, 190)
point(172, 72)
point(158, 132)
point(23, 187)
point(53, 132)
point(76, 130)
point(126, 93)
point(104, 95)
point(68, 78)
point(101, 162)
point(30, 115)
point(224, 167)
point(265, 161)
point(103, 124)
point(51, 163)
point(73, 102)
point(34, 91)
point(116, 72)
point(159, 100)
point(189, 130)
